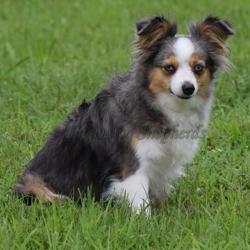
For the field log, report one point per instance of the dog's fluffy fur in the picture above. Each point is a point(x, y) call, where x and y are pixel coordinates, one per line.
point(136, 135)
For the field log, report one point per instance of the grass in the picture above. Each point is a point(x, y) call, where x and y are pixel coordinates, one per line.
point(56, 53)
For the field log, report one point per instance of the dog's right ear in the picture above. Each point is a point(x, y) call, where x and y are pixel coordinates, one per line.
point(151, 30)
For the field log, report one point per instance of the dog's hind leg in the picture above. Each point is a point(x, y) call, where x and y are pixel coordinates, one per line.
point(31, 185)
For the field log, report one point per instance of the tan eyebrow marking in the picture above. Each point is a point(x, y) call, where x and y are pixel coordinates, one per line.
point(203, 78)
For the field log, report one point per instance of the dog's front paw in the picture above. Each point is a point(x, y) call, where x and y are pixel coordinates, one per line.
point(145, 208)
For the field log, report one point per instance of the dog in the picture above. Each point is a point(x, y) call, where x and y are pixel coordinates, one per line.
point(135, 137)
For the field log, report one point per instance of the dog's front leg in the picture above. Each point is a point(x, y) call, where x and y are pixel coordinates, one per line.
point(135, 188)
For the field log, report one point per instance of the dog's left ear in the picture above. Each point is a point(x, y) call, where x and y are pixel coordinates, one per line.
point(151, 30)
point(215, 31)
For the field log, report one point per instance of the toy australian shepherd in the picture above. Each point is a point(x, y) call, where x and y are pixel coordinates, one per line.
point(134, 137)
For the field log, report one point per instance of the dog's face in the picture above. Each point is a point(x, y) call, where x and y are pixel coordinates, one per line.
point(182, 71)
point(183, 66)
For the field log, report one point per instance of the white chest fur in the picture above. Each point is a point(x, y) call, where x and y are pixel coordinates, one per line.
point(161, 159)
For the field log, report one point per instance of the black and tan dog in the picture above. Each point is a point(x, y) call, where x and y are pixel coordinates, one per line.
point(136, 135)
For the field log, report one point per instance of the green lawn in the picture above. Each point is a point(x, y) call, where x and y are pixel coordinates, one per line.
point(55, 53)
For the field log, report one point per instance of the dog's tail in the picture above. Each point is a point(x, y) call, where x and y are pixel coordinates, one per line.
point(32, 186)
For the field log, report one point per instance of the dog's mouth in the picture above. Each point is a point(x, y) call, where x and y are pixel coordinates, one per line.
point(181, 97)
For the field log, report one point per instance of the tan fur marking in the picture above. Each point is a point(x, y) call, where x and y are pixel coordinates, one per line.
point(203, 78)
point(160, 79)
point(195, 59)
point(33, 185)
point(204, 81)
point(122, 175)
point(134, 142)
point(159, 203)
point(172, 60)
point(159, 83)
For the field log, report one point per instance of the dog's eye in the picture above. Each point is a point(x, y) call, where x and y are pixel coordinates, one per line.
point(170, 68)
point(198, 68)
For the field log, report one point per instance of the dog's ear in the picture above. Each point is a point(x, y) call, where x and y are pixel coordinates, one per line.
point(215, 31)
point(151, 30)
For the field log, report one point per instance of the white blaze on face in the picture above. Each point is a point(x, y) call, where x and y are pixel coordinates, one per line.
point(183, 50)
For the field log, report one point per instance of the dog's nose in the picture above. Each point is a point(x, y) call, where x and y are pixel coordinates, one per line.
point(188, 88)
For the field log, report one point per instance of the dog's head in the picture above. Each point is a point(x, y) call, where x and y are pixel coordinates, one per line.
point(182, 65)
